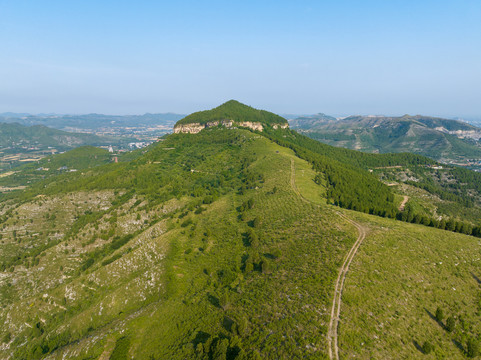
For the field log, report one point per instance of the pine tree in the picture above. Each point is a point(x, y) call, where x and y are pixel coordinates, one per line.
point(472, 348)
point(450, 324)
point(427, 347)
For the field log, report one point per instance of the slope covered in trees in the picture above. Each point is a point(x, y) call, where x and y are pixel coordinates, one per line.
point(233, 110)
point(74, 160)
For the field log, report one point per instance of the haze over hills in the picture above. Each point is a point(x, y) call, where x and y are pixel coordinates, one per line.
point(94, 122)
point(442, 139)
point(17, 135)
point(232, 243)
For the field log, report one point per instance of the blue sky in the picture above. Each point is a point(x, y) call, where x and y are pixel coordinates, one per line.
point(338, 57)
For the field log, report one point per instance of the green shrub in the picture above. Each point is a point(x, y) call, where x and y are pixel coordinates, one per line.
point(7, 337)
point(118, 242)
point(450, 324)
point(472, 348)
point(266, 267)
point(111, 260)
point(224, 300)
point(187, 222)
point(121, 349)
point(427, 347)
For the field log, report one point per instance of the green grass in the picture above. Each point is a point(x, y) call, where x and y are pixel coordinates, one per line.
point(400, 276)
point(173, 287)
point(224, 257)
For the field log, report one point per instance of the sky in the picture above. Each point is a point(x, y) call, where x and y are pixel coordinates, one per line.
point(299, 57)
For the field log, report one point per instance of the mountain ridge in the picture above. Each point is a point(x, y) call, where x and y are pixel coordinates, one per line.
point(442, 139)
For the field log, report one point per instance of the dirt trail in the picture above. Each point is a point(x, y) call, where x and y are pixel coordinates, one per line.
point(339, 287)
point(403, 204)
point(341, 277)
point(293, 181)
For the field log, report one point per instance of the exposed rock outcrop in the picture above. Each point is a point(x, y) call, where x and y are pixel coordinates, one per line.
point(195, 128)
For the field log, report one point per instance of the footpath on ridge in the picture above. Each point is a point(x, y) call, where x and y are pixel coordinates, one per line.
point(341, 276)
point(403, 203)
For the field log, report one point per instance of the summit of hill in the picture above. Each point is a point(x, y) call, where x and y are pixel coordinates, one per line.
point(230, 114)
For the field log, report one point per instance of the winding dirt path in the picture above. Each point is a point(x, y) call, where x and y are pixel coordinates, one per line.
point(341, 276)
point(403, 203)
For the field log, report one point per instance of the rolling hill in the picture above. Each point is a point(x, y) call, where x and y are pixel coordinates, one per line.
point(441, 139)
point(20, 136)
point(232, 244)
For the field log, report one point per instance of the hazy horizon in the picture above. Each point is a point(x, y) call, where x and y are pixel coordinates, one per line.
point(340, 58)
point(286, 115)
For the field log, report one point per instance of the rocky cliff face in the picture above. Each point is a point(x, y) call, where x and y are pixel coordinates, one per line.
point(252, 125)
point(194, 128)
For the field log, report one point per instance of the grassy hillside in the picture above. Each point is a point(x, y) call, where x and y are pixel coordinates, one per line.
point(400, 277)
point(219, 245)
point(233, 110)
point(74, 160)
point(228, 260)
point(453, 194)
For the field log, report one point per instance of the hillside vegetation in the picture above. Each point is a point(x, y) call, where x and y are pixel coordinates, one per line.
point(207, 252)
point(451, 198)
point(441, 139)
point(233, 110)
point(77, 159)
point(225, 244)
point(401, 279)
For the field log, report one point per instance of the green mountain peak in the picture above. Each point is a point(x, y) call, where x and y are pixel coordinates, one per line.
point(231, 113)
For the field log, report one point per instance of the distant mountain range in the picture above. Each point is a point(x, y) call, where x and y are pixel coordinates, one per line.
point(91, 121)
point(442, 139)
